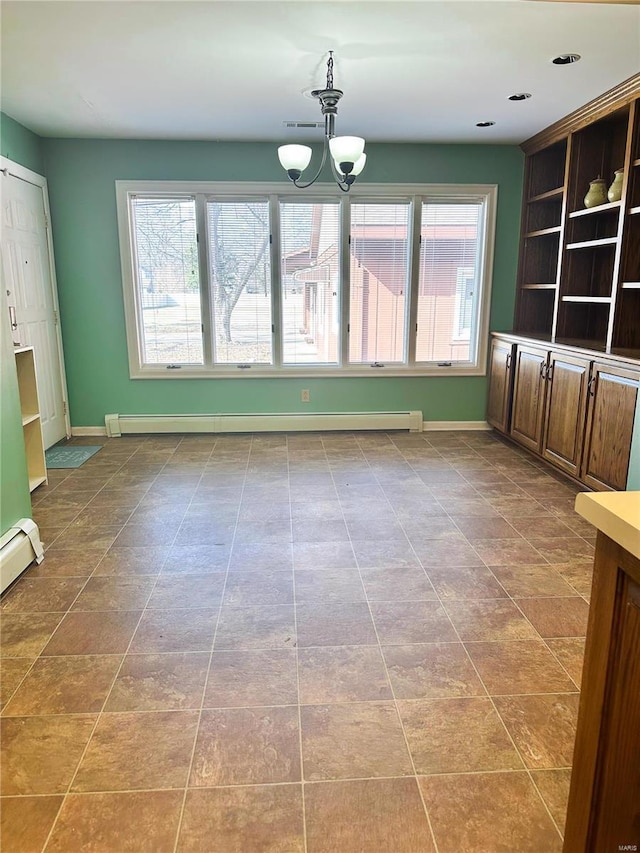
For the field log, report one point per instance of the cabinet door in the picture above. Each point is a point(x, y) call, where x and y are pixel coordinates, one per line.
point(611, 408)
point(528, 396)
point(499, 384)
point(565, 411)
point(617, 820)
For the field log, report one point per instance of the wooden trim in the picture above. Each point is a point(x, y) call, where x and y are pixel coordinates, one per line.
point(618, 96)
point(628, 362)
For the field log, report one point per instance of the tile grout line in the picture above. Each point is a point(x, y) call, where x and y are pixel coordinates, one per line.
point(504, 726)
point(289, 704)
point(368, 453)
point(106, 700)
point(63, 612)
point(295, 627)
point(395, 705)
point(63, 797)
point(491, 699)
point(249, 785)
point(55, 820)
point(528, 770)
point(213, 642)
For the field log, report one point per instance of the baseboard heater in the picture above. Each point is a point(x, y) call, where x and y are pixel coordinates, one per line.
point(117, 425)
point(19, 547)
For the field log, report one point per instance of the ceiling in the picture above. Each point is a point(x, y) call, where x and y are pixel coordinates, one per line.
point(423, 71)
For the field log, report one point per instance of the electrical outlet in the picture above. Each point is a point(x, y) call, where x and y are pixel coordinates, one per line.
point(305, 396)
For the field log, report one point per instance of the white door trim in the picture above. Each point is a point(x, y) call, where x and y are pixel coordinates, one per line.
point(15, 170)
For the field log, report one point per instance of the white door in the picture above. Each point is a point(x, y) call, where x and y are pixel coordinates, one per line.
point(27, 278)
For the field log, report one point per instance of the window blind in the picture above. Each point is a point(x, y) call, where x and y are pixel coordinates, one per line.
point(310, 282)
point(378, 265)
point(448, 281)
point(240, 281)
point(167, 280)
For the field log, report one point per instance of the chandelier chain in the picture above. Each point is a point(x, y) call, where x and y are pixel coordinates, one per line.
point(330, 70)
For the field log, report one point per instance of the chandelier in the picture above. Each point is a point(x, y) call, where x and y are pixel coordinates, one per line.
point(347, 152)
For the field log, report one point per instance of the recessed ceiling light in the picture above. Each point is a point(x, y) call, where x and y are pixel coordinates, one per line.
point(485, 123)
point(520, 96)
point(566, 58)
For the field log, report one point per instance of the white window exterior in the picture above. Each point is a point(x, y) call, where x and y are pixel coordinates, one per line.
point(232, 280)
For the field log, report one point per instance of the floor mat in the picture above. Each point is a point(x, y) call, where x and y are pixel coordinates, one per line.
point(70, 457)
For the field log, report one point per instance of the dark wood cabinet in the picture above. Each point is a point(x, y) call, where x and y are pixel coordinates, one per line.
point(613, 393)
point(500, 360)
point(618, 822)
point(567, 378)
point(574, 410)
point(527, 410)
point(604, 799)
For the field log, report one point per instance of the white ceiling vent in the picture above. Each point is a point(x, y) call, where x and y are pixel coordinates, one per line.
point(303, 125)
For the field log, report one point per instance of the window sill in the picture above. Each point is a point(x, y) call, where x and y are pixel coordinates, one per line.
point(303, 372)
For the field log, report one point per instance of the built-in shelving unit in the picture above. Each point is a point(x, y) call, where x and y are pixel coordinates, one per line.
point(31, 425)
point(579, 267)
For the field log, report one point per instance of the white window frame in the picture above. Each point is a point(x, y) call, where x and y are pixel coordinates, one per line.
point(418, 194)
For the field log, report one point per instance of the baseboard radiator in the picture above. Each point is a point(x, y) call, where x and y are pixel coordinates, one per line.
point(19, 547)
point(117, 425)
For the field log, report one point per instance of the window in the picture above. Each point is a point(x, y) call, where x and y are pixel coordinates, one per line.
point(166, 266)
point(262, 280)
point(240, 281)
point(378, 282)
point(310, 282)
point(449, 273)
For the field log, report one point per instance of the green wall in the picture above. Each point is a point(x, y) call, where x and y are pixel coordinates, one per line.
point(20, 145)
point(81, 176)
point(24, 147)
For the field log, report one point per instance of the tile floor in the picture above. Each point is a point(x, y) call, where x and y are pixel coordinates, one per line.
point(325, 643)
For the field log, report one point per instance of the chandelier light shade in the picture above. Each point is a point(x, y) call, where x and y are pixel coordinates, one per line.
point(347, 152)
point(359, 165)
point(294, 158)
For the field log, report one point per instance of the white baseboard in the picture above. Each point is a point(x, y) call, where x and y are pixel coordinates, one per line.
point(430, 426)
point(117, 425)
point(427, 426)
point(19, 547)
point(88, 430)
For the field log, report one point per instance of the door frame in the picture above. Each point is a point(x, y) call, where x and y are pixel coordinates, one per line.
point(15, 170)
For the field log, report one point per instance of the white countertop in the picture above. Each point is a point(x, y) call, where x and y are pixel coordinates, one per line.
point(616, 514)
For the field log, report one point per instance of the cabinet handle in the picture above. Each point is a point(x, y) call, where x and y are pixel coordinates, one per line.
point(549, 375)
point(543, 370)
point(508, 366)
point(591, 386)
